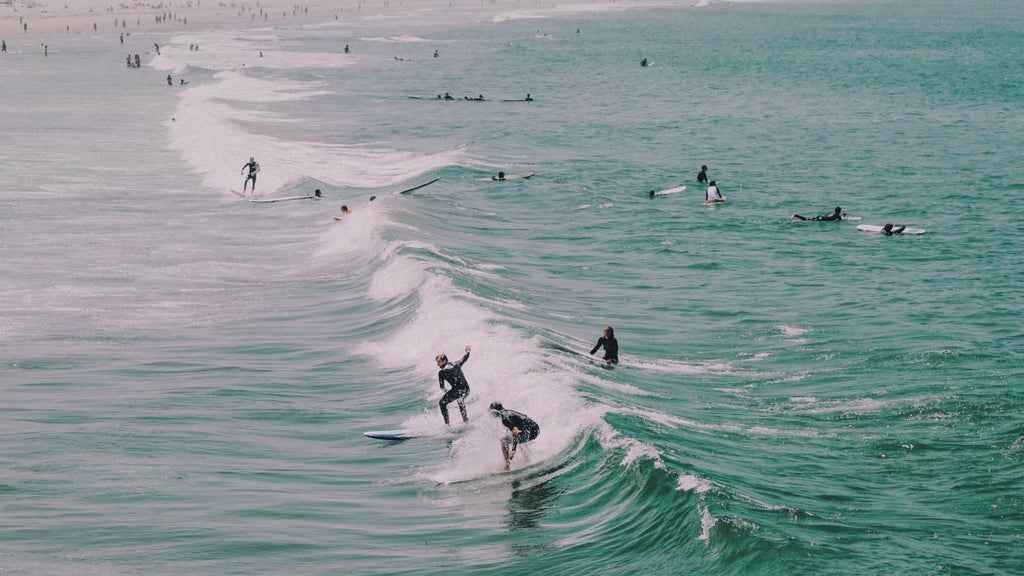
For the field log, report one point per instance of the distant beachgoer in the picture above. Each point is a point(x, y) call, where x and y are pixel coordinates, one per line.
point(346, 48)
point(254, 169)
point(888, 230)
point(182, 82)
point(643, 62)
point(834, 216)
point(448, 96)
point(138, 63)
point(499, 177)
point(3, 46)
point(345, 210)
point(170, 81)
point(435, 53)
point(713, 194)
point(157, 48)
point(611, 346)
point(529, 98)
point(317, 194)
point(702, 176)
point(521, 428)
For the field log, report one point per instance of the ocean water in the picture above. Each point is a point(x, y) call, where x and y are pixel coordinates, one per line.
point(186, 375)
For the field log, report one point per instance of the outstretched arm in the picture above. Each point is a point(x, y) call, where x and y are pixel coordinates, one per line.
point(600, 342)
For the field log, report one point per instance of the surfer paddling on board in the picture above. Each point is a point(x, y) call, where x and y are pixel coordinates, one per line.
point(611, 346)
point(254, 168)
point(451, 372)
point(521, 428)
point(713, 194)
point(888, 230)
point(835, 216)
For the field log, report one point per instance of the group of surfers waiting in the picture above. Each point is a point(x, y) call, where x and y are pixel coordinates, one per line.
point(521, 428)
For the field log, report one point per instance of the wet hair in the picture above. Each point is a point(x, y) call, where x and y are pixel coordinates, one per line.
point(441, 358)
point(496, 406)
point(609, 330)
point(838, 209)
point(712, 183)
point(703, 166)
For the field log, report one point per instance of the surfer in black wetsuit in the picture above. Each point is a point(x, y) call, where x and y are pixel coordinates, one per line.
point(452, 373)
point(702, 176)
point(835, 216)
point(611, 346)
point(888, 230)
point(521, 427)
point(254, 168)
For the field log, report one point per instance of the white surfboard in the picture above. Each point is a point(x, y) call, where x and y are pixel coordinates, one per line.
point(667, 191)
point(714, 202)
point(409, 433)
point(873, 228)
point(271, 200)
point(507, 177)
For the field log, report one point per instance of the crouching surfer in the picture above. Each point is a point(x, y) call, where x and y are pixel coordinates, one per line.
point(451, 372)
point(521, 428)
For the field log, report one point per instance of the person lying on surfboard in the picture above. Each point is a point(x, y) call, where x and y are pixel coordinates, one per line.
point(835, 216)
point(451, 372)
point(889, 231)
point(521, 428)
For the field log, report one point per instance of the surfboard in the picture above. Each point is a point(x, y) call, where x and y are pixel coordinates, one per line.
point(392, 434)
point(507, 177)
point(873, 228)
point(415, 187)
point(518, 100)
point(714, 202)
point(271, 200)
point(668, 191)
point(409, 434)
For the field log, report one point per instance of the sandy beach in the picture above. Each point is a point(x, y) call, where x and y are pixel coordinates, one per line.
point(25, 18)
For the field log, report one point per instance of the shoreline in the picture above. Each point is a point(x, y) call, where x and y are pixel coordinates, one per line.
point(33, 19)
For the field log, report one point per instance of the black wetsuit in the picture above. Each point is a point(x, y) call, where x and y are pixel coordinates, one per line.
point(452, 373)
point(528, 429)
point(892, 231)
point(611, 349)
point(254, 169)
point(829, 218)
point(702, 176)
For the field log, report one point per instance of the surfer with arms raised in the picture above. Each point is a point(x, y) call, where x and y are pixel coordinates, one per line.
point(451, 372)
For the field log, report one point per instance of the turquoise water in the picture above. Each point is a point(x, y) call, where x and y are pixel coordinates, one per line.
point(187, 376)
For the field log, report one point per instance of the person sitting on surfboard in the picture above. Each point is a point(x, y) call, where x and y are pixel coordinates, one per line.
point(889, 231)
point(500, 176)
point(452, 373)
point(713, 194)
point(253, 169)
point(702, 176)
point(521, 427)
point(833, 217)
point(611, 346)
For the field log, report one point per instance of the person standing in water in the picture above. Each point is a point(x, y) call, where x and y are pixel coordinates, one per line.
point(611, 346)
point(451, 372)
point(521, 429)
point(702, 176)
point(254, 169)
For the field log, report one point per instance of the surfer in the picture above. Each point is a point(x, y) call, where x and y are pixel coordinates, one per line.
point(529, 98)
point(452, 373)
point(643, 63)
point(713, 194)
point(499, 177)
point(702, 176)
point(317, 194)
point(835, 216)
point(521, 427)
point(448, 96)
point(611, 346)
point(254, 168)
point(889, 231)
point(345, 210)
